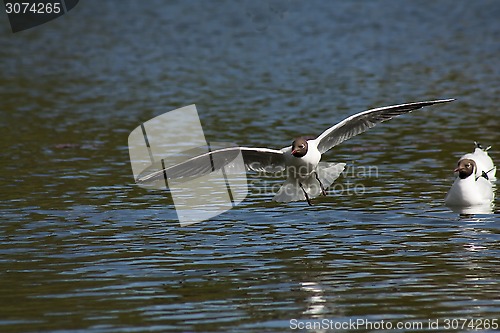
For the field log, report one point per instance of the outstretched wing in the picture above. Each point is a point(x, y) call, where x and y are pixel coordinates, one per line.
point(365, 120)
point(255, 159)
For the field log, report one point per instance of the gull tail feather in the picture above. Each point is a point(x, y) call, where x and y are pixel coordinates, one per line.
point(291, 190)
point(329, 172)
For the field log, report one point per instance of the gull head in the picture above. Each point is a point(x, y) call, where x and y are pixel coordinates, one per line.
point(299, 147)
point(465, 168)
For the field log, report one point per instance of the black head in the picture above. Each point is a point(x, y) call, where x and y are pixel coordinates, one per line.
point(299, 147)
point(465, 168)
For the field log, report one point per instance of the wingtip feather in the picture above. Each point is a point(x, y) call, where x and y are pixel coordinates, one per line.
point(443, 100)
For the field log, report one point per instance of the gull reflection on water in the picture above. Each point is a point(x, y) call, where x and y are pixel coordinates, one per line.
point(316, 300)
point(469, 211)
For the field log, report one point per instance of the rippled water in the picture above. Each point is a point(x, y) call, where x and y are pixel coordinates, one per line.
point(84, 249)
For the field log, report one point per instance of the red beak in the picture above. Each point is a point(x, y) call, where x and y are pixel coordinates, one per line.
point(457, 170)
point(293, 152)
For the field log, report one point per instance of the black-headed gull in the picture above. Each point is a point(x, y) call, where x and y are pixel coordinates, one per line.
point(306, 176)
point(473, 185)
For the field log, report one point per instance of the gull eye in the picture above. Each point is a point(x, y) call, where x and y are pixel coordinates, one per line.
point(468, 165)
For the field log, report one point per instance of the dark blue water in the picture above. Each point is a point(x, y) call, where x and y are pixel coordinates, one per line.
point(83, 249)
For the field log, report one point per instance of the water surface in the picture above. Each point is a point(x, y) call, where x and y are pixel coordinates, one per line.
point(83, 249)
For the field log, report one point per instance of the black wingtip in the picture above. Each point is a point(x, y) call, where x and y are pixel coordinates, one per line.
point(447, 100)
point(480, 146)
point(429, 103)
point(418, 105)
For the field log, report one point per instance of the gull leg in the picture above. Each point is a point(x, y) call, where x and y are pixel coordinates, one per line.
point(320, 184)
point(305, 193)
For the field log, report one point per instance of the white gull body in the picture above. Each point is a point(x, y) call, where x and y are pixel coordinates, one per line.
point(301, 174)
point(474, 184)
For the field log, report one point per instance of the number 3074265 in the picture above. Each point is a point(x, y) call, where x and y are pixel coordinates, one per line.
point(32, 8)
